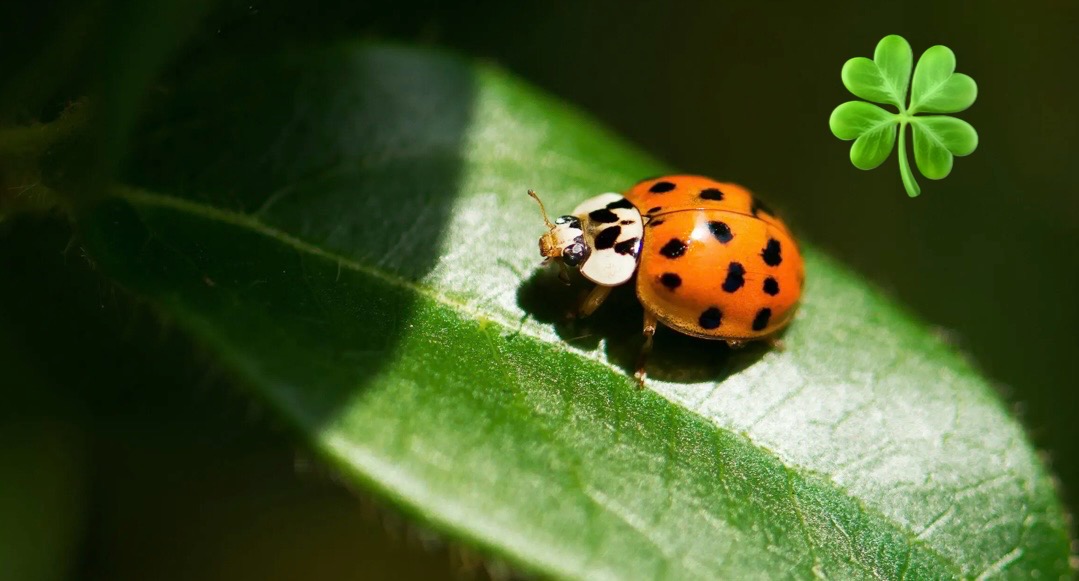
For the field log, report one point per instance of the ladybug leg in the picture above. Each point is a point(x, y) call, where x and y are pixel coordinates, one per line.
point(593, 300)
point(563, 272)
point(649, 331)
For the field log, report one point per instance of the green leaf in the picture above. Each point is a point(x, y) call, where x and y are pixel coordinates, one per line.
point(936, 139)
point(872, 128)
point(43, 473)
point(937, 87)
point(885, 78)
point(855, 118)
point(346, 230)
point(44, 468)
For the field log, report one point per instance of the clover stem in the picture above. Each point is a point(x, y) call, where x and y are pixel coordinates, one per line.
point(904, 166)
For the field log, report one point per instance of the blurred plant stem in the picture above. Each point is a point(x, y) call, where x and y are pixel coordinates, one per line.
point(26, 184)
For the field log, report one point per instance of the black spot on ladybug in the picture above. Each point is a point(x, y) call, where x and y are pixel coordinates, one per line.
point(711, 318)
point(661, 187)
point(761, 320)
point(759, 206)
point(654, 223)
point(654, 210)
point(673, 249)
point(721, 231)
point(627, 247)
point(603, 216)
point(620, 204)
point(735, 277)
point(712, 194)
point(626, 222)
point(670, 280)
point(772, 253)
point(607, 237)
point(771, 286)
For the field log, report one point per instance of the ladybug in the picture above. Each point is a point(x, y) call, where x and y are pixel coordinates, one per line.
point(711, 260)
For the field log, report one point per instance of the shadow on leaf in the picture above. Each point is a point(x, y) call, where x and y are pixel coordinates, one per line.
point(616, 328)
point(285, 203)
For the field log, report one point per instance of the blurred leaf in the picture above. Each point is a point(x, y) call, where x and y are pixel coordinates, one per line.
point(139, 37)
point(42, 490)
point(885, 78)
point(43, 471)
point(346, 230)
point(937, 87)
point(102, 56)
point(937, 139)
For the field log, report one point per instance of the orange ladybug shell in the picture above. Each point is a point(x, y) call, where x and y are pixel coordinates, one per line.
point(715, 262)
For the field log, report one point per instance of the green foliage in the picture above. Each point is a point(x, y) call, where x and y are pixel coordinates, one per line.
point(43, 472)
point(345, 230)
point(936, 88)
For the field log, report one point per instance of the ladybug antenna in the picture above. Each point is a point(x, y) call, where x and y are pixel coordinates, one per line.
point(546, 220)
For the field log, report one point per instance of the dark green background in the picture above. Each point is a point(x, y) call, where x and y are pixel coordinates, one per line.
point(740, 91)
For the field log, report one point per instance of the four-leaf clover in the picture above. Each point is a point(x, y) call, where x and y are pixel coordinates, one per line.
point(936, 88)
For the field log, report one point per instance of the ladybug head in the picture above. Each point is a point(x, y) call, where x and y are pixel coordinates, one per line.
point(564, 239)
point(565, 242)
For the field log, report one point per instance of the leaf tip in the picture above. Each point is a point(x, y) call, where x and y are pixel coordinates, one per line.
point(835, 124)
point(938, 51)
point(894, 38)
point(895, 42)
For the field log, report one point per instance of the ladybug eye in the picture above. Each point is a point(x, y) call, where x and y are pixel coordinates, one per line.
point(572, 221)
point(576, 253)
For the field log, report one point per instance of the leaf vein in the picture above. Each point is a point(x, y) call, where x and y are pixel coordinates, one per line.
point(816, 569)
